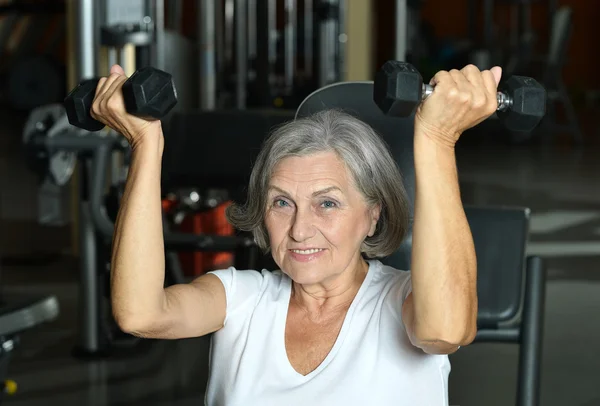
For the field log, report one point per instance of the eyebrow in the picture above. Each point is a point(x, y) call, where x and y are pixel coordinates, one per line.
point(317, 193)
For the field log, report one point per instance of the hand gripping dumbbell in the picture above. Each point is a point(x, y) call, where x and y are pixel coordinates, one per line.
point(149, 92)
point(399, 89)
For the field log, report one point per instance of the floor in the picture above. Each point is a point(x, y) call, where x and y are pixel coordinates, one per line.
point(561, 185)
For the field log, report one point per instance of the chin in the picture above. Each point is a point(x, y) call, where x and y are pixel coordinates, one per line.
point(304, 278)
point(306, 273)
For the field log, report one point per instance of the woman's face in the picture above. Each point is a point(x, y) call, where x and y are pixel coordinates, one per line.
point(316, 218)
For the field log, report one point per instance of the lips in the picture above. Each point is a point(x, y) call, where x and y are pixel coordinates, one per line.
point(306, 255)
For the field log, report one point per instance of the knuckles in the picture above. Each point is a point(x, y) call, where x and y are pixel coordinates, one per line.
point(464, 98)
point(113, 103)
point(480, 103)
point(470, 68)
point(96, 111)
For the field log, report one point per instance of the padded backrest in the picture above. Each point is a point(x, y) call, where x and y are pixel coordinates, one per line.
point(499, 234)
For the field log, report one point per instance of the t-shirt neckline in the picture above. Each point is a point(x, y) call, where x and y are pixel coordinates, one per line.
point(343, 331)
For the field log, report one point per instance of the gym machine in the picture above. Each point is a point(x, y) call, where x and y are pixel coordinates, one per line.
point(251, 58)
point(19, 314)
point(54, 147)
point(69, 128)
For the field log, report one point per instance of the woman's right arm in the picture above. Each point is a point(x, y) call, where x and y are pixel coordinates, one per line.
point(141, 304)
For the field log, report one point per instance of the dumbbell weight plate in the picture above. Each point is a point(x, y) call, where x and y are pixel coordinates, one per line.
point(528, 103)
point(397, 89)
point(78, 103)
point(56, 166)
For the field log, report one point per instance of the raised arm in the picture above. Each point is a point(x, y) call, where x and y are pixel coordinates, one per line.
point(141, 304)
point(440, 314)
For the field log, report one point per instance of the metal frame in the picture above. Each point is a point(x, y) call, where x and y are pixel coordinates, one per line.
point(528, 334)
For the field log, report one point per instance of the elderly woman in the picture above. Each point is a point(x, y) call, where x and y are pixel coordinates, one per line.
point(333, 326)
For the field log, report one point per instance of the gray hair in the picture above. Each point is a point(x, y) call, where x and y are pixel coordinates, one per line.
point(365, 154)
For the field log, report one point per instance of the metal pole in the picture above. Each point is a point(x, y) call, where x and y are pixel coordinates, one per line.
point(532, 332)
point(86, 69)
point(401, 30)
point(206, 35)
point(308, 38)
point(272, 24)
point(341, 40)
point(241, 55)
point(229, 31)
point(219, 36)
point(86, 40)
point(159, 34)
point(290, 44)
point(328, 41)
point(89, 310)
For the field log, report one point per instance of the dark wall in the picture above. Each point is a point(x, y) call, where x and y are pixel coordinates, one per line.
point(449, 19)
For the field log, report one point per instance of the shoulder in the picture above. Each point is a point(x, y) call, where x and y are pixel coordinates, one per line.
point(236, 280)
point(389, 288)
point(244, 288)
point(390, 279)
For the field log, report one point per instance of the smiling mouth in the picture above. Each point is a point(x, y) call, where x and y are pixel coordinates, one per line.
point(308, 252)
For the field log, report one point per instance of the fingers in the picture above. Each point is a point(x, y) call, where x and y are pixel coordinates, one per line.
point(104, 83)
point(113, 99)
point(497, 72)
point(482, 94)
point(440, 77)
point(117, 69)
point(465, 91)
point(473, 75)
point(108, 97)
point(469, 85)
point(489, 82)
point(100, 91)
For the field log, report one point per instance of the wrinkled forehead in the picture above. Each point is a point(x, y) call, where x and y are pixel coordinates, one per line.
point(311, 171)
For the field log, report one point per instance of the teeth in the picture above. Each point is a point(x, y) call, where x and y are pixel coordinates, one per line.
point(306, 252)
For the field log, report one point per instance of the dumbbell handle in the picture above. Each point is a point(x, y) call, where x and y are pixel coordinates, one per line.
point(504, 102)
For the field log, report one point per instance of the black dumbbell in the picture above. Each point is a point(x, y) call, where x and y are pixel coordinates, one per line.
point(399, 89)
point(149, 93)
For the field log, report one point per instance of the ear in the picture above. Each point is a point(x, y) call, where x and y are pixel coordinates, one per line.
point(375, 212)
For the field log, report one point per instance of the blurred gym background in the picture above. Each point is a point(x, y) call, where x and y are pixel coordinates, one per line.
point(243, 66)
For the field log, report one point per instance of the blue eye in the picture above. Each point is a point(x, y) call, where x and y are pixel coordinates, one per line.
point(328, 204)
point(280, 203)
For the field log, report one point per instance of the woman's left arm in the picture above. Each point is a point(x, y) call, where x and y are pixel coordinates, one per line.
point(440, 314)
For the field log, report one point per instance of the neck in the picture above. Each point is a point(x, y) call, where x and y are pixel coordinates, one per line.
point(334, 294)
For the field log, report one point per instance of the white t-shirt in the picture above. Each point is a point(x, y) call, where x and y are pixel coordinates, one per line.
point(371, 363)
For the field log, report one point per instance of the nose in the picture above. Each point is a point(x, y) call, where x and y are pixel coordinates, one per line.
point(302, 227)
